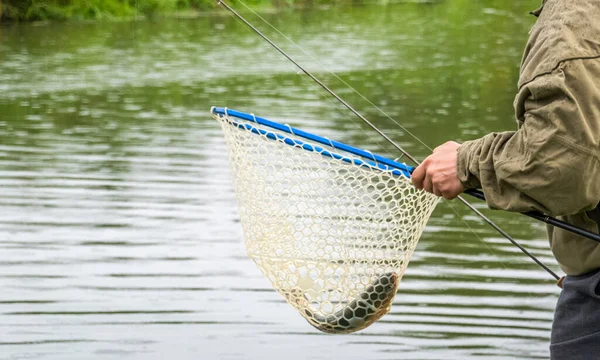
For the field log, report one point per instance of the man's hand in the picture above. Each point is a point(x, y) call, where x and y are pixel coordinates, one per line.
point(437, 173)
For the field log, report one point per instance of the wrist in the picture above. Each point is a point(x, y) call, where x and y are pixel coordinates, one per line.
point(464, 156)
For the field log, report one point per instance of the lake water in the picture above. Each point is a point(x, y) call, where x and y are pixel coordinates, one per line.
point(119, 232)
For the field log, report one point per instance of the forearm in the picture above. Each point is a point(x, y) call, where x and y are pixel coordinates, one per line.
point(514, 178)
point(551, 163)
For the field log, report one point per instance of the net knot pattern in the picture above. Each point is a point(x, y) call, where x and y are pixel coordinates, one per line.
point(333, 236)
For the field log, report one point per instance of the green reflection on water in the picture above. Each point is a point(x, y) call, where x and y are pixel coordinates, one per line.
point(116, 108)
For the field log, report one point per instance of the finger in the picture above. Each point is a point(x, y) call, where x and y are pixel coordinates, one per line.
point(437, 184)
point(447, 195)
point(440, 147)
point(418, 175)
point(452, 192)
point(428, 184)
point(445, 146)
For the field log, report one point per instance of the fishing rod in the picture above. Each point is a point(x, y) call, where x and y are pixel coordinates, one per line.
point(545, 218)
point(475, 193)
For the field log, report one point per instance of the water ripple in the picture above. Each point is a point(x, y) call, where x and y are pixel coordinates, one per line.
point(119, 233)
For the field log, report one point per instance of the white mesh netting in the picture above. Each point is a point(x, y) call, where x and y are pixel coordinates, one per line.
point(333, 238)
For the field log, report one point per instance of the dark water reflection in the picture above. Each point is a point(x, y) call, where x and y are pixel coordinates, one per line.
point(119, 234)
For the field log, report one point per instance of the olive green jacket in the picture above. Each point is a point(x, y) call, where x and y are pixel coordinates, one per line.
point(552, 162)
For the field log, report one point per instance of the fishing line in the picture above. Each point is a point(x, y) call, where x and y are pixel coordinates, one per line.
point(360, 116)
point(335, 104)
point(388, 117)
point(336, 76)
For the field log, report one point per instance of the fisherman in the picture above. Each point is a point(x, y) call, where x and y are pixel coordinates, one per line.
point(550, 164)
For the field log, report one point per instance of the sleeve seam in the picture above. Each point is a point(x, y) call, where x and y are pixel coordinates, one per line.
point(576, 147)
point(565, 142)
point(558, 64)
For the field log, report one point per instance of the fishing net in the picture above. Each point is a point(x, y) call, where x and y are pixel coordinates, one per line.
point(331, 226)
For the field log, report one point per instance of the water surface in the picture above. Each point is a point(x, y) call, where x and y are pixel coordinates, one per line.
point(119, 233)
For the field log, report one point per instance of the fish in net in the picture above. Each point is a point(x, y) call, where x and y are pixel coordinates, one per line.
point(332, 227)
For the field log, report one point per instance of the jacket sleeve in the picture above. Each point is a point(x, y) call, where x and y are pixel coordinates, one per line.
point(551, 163)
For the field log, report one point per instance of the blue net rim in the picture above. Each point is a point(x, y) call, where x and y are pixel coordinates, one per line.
point(367, 158)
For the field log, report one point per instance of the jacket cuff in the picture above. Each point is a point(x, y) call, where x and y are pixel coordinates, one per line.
point(466, 153)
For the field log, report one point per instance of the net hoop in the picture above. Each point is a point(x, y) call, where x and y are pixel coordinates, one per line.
point(364, 157)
